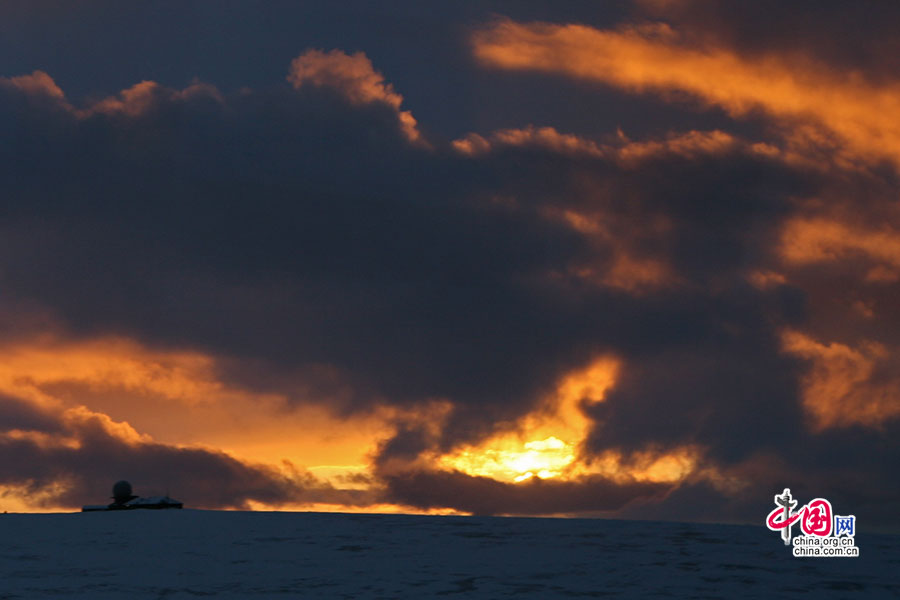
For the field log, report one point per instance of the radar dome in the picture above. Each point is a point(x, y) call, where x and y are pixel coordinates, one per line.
point(122, 492)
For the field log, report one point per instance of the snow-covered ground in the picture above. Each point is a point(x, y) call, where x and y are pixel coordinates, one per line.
point(188, 553)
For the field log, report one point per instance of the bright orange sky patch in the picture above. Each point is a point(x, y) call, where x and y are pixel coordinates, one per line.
point(175, 397)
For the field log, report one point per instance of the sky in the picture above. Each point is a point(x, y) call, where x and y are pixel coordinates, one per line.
point(617, 259)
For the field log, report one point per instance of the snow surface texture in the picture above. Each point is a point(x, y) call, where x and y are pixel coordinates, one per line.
point(189, 553)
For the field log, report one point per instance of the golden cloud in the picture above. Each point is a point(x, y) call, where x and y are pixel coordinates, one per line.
point(171, 396)
point(627, 268)
point(842, 387)
point(144, 96)
point(806, 240)
point(859, 115)
point(351, 75)
point(355, 78)
point(37, 83)
point(691, 144)
point(547, 138)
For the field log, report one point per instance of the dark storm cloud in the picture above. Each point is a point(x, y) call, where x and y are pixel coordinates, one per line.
point(18, 414)
point(486, 496)
point(852, 468)
point(282, 225)
point(709, 392)
point(320, 235)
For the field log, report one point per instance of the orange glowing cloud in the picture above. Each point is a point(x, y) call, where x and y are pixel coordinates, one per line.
point(624, 151)
point(843, 387)
point(144, 96)
point(806, 240)
point(178, 397)
point(351, 75)
point(132, 102)
point(627, 269)
point(113, 362)
point(633, 274)
point(624, 266)
point(691, 144)
point(36, 84)
point(547, 138)
point(653, 465)
point(355, 78)
point(76, 399)
point(846, 111)
point(764, 279)
point(116, 392)
point(626, 272)
point(59, 467)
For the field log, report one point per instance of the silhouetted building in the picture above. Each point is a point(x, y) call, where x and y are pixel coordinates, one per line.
point(123, 499)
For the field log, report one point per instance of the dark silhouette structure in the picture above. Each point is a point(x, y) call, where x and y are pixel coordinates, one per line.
point(124, 499)
point(122, 492)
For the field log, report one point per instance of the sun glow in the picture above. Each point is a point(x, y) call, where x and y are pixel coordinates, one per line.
point(547, 442)
point(511, 459)
point(544, 443)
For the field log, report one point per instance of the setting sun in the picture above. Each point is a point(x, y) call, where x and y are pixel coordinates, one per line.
point(512, 460)
point(545, 442)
